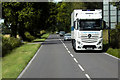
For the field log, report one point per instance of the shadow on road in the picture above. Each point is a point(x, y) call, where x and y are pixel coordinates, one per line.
point(51, 42)
point(88, 51)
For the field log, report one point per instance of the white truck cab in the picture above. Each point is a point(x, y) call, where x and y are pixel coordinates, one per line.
point(86, 29)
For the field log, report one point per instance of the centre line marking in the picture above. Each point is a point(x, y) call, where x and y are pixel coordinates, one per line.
point(68, 51)
point(72, 55)
point(65, 47)
point(88, 76)
point(81, 67)
point(75, 60)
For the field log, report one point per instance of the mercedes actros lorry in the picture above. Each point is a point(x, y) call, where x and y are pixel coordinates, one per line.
point(86, 29)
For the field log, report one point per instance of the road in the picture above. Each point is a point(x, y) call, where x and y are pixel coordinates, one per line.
point(56, 59)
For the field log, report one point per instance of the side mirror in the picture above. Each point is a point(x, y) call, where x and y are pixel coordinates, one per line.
point(107, 27)
point(104, 25)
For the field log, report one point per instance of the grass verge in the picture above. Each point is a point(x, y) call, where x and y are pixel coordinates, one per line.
point(15, 62)
point(114, 52)
point(17, 59)
point(0, 68)
point(107, 48)
point(38, 40)
point(43, 37)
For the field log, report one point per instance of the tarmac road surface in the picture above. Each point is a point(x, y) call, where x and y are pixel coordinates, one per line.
point(56, 59)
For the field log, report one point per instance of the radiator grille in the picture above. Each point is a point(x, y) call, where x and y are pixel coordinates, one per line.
point(87, 39)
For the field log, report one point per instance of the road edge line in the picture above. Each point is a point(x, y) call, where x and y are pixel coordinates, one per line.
point(29, 63)
point(112, 56)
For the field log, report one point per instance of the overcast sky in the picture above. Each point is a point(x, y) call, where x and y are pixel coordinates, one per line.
point(57, 0)
point(1, 21)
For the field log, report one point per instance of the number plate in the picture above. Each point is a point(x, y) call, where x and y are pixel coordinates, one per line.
point(89, 48)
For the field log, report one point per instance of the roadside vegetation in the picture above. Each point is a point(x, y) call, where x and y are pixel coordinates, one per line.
point(9, 43)
point(31, 22)
point(16, 59)
point(114, 47)
point(115, 52)
point(43, 37)
point(29, 18)
point(0, 68)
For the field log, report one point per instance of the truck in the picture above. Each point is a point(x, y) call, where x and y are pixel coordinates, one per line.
point(87, 29)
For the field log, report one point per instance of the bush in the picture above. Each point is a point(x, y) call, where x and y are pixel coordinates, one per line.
point(115, 37)
point(42, 32)
point(29, 36)
point(114, 52)
point(9, 43)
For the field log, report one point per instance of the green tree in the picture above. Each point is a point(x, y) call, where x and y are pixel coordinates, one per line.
point(26, 17)
point(18, 15)
point(64, 10)
point(93, 5)
point(11, 16)
point(51, 22)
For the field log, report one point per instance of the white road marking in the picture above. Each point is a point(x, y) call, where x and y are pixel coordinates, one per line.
point(81, 67)
point(103, 54)
point(71, 55)
point(68, 51)
point(112, 56)
point(75, 60)
point(88, 76)
point(65, 46)
point(90, 53)
point(29, 63)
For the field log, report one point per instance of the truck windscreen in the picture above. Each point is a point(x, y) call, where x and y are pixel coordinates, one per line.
point(90, 24)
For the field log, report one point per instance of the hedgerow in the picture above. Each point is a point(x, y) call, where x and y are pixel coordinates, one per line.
point(9, 43)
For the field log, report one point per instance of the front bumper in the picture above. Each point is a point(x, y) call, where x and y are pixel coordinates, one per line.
point(89, 46)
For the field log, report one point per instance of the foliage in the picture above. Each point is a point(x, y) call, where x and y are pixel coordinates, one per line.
point(33, 17)
point(11, 16)
point(64, 10)
point(25, 17)
point(115, 37)
point(114, 52)
point(105, 36)
point(51, 22)
point(39, 40)
point(9, 44)
point(63, 16)
point(5, 29)
point(29, 36)
point(42, 32)
point(45, 35)
point(117, 4)
point(93, 5)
